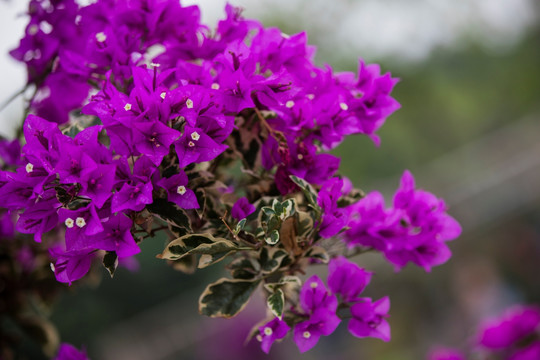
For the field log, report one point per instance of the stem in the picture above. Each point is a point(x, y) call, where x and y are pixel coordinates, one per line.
point(228, 227)
point(13, 97)
point(278, 135)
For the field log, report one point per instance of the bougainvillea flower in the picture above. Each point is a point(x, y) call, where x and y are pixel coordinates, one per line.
point(369, 319)
point(321, 322)
point(178, 191)
point(514, 325)
point(273, 330)
point(445, 354)
point(242, 208)
point(70, 352)
point(347, 278)
point(116, 236)
point(71, 265)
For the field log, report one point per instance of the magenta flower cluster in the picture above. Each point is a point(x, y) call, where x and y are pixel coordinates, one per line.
point(514, 335)
point(415, 229)
point(138, 115)
point(319, 309)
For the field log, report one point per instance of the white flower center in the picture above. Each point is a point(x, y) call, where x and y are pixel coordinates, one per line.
point(189, 104)
point(33, 29)
point(101, 37)
point(181, 189)
point(306, 334)
point(29, 168)
point(162, 95)
point(344, 106)
point(289, 104)
point(310, 96)
point(195, 136)
point(191, 144)
point(69, 222)
point(155, 65)
point(259, 337)
point(215, 86)
point(300, 156)
point(127, 107)
point(267, 331)
point(313, 285)
point(80, 222)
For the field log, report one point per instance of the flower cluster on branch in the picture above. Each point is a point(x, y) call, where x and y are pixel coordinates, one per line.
point(146, 121)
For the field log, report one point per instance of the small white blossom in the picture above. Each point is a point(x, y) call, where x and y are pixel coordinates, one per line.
point(80, 222)
point(69, 223)
point(195, 136)
point(101, 37)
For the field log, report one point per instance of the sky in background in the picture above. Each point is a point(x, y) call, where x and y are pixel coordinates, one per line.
point(405, 30)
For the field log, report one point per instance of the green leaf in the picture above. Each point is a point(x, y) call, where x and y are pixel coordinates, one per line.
point(352, 197)
point(244, 268)
point(259, 232)
point(276, 302)
point(226, 298)
point(286, 280)
point(272, 238)
point(290, 279)
point(273, 224)
point(187, 264)
point(73, 130)
point(268, 212)
point(289, 208)
point(278, 209)
point(219, 251)
point(110, 261)
point(304, 223)
point(271, 258)
point(178, 231)
point(317, 252)
point(240, 226)
point(170, 213)
point(307, 189)
point(203, 244)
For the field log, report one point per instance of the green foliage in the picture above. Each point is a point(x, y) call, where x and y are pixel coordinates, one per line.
point(226, 298)
point(212, 249)
point(276, 302)
point(110, 261)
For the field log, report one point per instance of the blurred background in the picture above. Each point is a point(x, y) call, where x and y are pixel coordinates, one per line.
point(468, 130)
